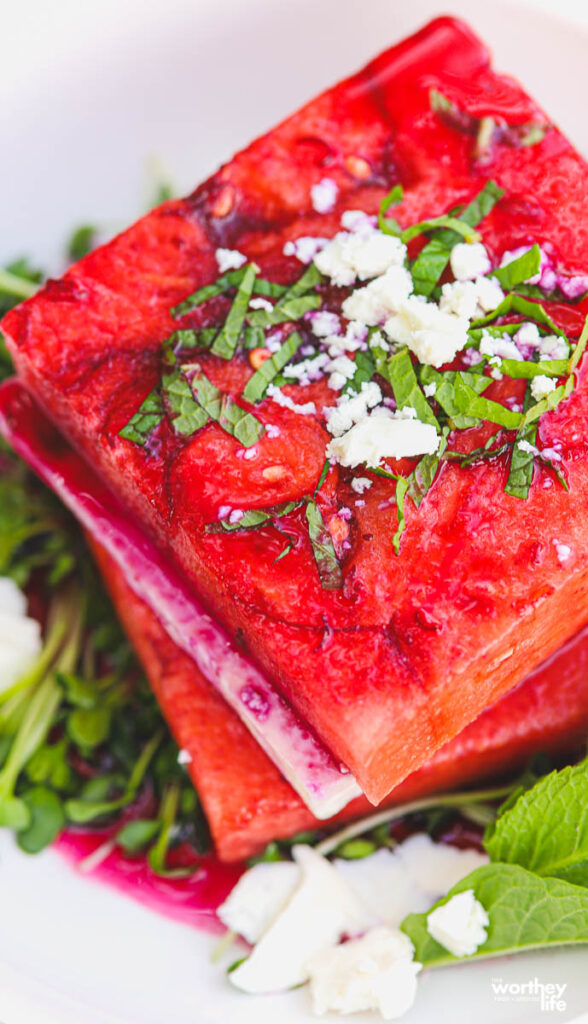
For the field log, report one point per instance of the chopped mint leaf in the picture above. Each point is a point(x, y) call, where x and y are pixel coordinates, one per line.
point(526, 370)
point(149, 415)
point(186, 415)
point(470, 403)
point(221, 408)
point(445, 393)
point(525, 912)
point(423, 475)
point(253, 518)
point(322, 477)
point(226, 340)
point(387, 224)
point(364, 371)
point(520, 476)
point(253, 337)
point(550, 402)
point(398, 370)
point(517, 304)
point(307, 281)
point(285, 311)
point(520, 270)
point(434, 257)
point(454, 224)
point(401, 490)
point(223, 284)
point(257, 384)
point(323, 549)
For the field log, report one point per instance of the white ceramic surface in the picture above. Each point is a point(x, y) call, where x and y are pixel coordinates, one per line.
point(91, 93)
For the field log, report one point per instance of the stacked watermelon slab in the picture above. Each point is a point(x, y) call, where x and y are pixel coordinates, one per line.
point(415, 646)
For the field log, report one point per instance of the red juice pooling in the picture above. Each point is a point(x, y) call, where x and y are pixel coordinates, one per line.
point(193, 900)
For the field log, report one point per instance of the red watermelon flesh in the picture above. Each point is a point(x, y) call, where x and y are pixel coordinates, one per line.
point(248, 803)
point(416, 646)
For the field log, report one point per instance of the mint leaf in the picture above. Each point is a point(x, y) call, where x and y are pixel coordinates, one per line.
point(365, 368)
point(579, 347)
point(434, 257)
point(470, 404)
point(526, 370)
point(226, 340)
point(186, 415)
point(551, 401)
point(323, 550)
point(423, 475)
point(517, 304)
point(253, 518)
point(221, 286)
point(398, 370)
point(520, 476)
point(147, 418)
point(221, 408)
point(285, 311)
point(525, 912)
point(387, 224)
point(257, 384)
point(401, 489)
point(454, 224)
point(520, 270)
point(445, 393)
point(546, 831)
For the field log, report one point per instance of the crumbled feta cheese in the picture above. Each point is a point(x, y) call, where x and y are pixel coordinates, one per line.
point(435, 337)
point(375, 972)
point(460, 924)
point(224, 511)
point(323, 323)
point(260, 303)
point(542, 386)
point(304, 248)
point(341, 369)
point(469, 260)
point(361, 484)
point(528, 334)
point(307, 370)
point(502, 347)
point(307, 409)
point(380, 298)
point(430, 390)
point(527, 447)
point(184, 757)
point(321, 909)
point(435, 868)
point(563, 551)
point(272, 430)
point(551, 346)
point(353, 339)
point(384, 888)
point(20, 636)
point(471, 298)
point(351, 409)
point(358, 222)
point(350, 256)
point(383, 434)
point(229, 259)
point(323, 196)
point(258, 897)
point(236, 515)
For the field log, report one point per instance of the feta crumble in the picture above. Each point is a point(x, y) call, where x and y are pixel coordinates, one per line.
point(306, 409)
point(527, 447)
point(341, 370)
point(20, 636)
point(350, 409)
point(460, 924)
point(323, 196)
point(430, 390)
point(502, 346)
point(383, 435)
point(378, 300)
point(350, 256)
point(563, 551)
point(229, 259)
point(375, 972)
point(258, 897)
point(304, 248)
point(320, 910)
point(471, 298)
point(184, 757)
point(434, 336)
point(469, 260)
point(323, 323)
point(542, 386)
point(361, 484)
point(260, 303)
point(358, 222)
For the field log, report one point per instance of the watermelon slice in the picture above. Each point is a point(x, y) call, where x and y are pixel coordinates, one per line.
point(248, 803)
point(406, 649)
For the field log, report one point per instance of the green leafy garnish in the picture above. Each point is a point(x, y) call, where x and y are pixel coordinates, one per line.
point(399, 371)
point(221, 408)
point(520, 270)
point(253, 518)
point(387, 224)
point(257, 384)
point(149, 415)
point(473, 405)
point(186, 415)
point(323, 549)
point(365, 368)
point(226, 340)
point(82, 241)
point(454, 224)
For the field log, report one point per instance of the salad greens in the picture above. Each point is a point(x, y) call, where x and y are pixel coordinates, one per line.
point(82, 740)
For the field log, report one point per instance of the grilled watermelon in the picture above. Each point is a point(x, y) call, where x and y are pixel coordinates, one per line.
point(400, 651)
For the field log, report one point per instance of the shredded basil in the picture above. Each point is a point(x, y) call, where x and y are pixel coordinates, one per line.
point(221, 286)
point(387, 224)
point(423, 475)
point(470, 403)
point(185, 414)
point(226, 340)
point(401, 490)
point(445, 393)
point(257, 384)
point(399, 372)
point(221, 408)
point(149, 415)
point(518, 304)
point(526, 370)
point(323, 549)
point(322, 477)
point(365, 368)
point(445, 221)
point(284, 311)
point(520, 270)
point(579, 348)
point(253, 518)
point(550, 402)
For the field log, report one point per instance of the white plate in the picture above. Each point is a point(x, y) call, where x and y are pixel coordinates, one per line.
point(90, 92)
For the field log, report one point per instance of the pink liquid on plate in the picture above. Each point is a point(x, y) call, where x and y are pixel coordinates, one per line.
point(192, 900)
